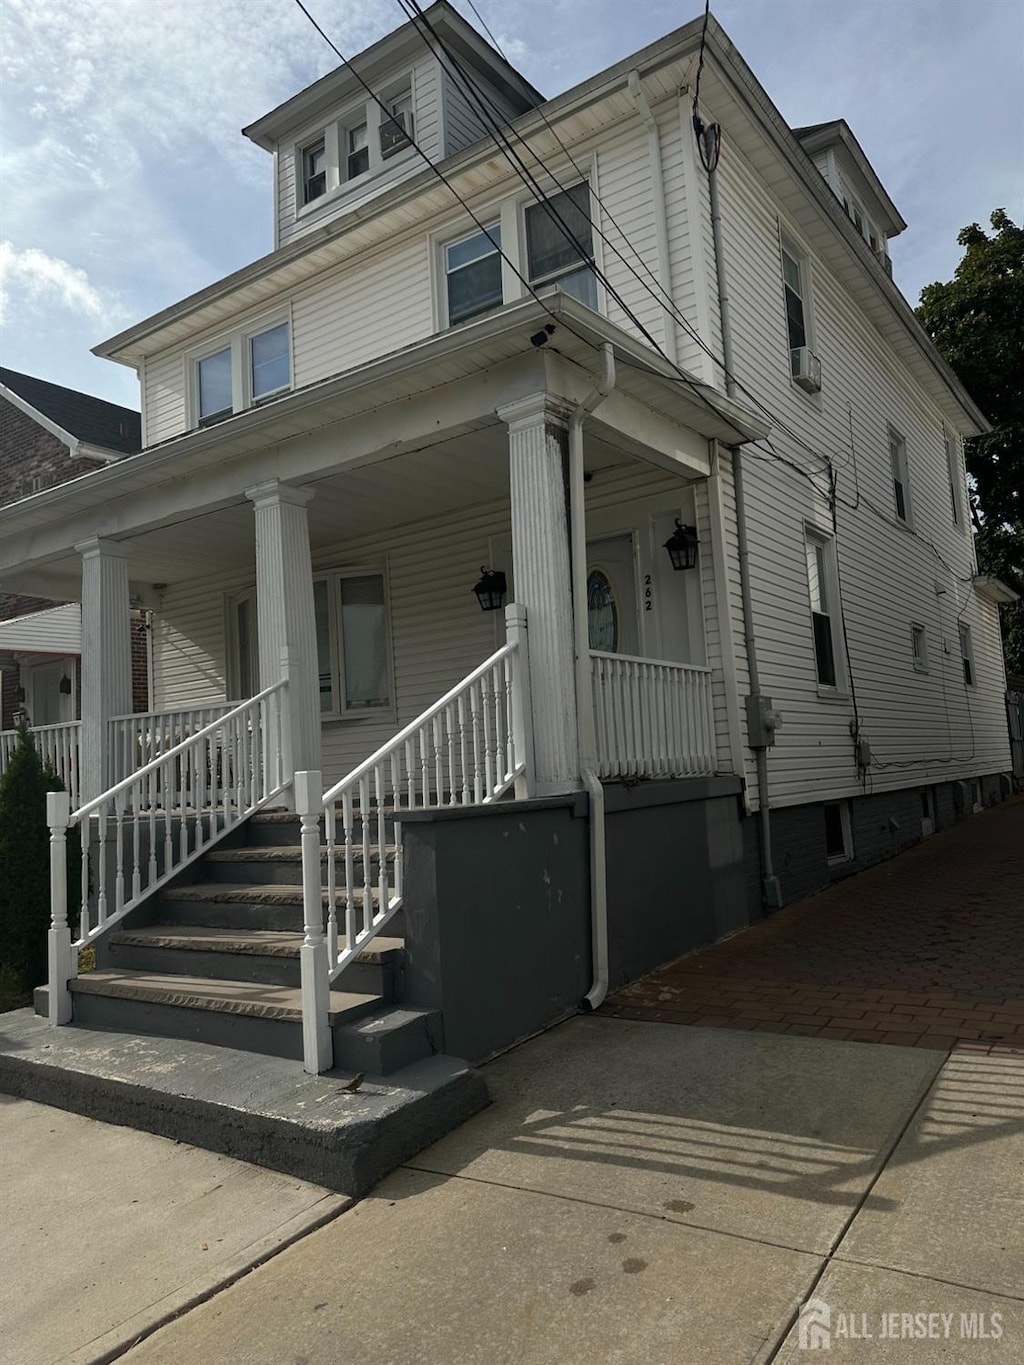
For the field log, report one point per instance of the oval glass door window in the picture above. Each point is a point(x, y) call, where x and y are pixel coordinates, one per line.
point(602, 612)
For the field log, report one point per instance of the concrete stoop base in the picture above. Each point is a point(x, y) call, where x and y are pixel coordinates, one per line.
point(260, 1109)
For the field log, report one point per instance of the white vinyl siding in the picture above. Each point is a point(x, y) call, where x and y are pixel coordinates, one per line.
point(463, 122)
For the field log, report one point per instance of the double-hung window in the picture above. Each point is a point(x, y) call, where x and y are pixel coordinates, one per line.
point(314, 170)
point(900, 474)
point(560, 243)
point(357, 147)
point(919, 647)
point(822, 581)
point(967, 655)
point(472, 268)
point(214, 387)
point(396, 128)
point(796, 313)
point(956, 500)
point(250, 367)
point(352, 642)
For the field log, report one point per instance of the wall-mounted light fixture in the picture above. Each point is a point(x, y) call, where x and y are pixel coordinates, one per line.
point(682, 546)
point(490, 591)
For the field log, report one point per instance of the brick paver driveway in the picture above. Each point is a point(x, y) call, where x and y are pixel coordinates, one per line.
point(926, 949)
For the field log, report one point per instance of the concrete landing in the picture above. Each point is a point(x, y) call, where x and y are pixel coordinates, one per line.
point(257, 1108)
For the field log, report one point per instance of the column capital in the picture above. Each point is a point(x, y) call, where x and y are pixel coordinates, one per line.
point(273, 492)
point(542, 407)
point(96, 546)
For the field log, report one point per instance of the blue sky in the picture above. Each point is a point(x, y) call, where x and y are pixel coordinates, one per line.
point(125, 184)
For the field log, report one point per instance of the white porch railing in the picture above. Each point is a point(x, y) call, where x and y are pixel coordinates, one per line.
point(156, 821)
point(469, 748)
point(139, 738)
point(56, 745)
point(651, 718)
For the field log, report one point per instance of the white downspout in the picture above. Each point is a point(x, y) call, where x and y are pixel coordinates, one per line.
point(671, 345)
point(584, 695)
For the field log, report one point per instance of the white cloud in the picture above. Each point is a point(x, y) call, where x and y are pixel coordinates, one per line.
point(32, 278)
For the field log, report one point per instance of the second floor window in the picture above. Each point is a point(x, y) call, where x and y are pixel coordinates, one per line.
point(214, 384)
point(955, 486)
point(472, 269)
point(967, 655)
point(270, 362)
point(900, 477)
point(560, 243)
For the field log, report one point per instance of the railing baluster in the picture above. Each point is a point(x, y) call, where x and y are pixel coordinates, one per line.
point(449, 730)
point(463, 752)
point(382, 838)
point(101, 869)
point(332, 883)
point(119, 852)
point(350, 875)
point(435, 733)
point(474, 711)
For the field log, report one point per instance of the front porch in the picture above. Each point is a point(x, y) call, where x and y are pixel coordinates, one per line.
point(323, 572)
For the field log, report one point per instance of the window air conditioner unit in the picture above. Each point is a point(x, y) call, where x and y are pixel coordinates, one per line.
point(393, 135)
point(806, 369)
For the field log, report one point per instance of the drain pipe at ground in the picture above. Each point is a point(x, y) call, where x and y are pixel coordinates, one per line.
point(585, 732)
point(770, 889)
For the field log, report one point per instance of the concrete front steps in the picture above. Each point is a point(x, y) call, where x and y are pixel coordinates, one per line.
point(214, 958)
point(201, 986)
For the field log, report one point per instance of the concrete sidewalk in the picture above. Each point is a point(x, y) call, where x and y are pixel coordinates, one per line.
point(644, 1193)
point(105, 1232)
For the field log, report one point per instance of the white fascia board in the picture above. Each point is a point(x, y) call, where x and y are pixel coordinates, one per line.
point(994, 589)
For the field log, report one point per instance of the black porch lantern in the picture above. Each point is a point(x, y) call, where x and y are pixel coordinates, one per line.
point(65, 685)
point(490, 591)
point(682, 546)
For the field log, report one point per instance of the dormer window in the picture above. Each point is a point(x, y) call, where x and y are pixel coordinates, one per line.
point(314, 171)
point(396, 129)
point(358, 159)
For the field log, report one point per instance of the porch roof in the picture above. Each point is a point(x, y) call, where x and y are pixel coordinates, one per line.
point(408, 400)
point(56, 630)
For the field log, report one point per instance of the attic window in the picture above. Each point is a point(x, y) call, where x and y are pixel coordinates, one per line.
point(396, 129)
point(314, 171)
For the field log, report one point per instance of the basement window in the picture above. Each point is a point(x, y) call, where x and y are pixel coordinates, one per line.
point(838, 833)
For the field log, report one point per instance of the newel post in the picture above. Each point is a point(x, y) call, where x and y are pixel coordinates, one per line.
point(58, 817)
point(522, 705)
point(317, 1045)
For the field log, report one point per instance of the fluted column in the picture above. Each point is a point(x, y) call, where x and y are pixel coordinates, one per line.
point(537, 433)
point(285, 615)
point(106, 657)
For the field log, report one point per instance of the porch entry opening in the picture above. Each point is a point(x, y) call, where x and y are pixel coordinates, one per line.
point(612, 613)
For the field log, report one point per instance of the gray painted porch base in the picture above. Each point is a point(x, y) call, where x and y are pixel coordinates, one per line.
point(257, 1108)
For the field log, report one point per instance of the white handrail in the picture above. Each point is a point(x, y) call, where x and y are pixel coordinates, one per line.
point(149, 826)
point(469, 748)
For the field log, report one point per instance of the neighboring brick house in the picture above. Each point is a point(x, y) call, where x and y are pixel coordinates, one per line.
point(49, 435)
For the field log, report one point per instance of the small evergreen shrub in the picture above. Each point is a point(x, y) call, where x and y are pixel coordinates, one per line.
point(25, 867)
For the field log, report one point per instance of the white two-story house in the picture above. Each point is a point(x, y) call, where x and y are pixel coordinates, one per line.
point(571, 500)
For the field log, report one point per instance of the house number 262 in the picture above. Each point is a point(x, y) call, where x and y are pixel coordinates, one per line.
point(648, 593)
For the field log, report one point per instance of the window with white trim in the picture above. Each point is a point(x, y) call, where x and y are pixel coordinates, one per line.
point(794, 281)
point(823, 585)
point(472, 274)
point(396, 131)
point(353, 642)
point(838, 832)
point(967, 655)
point(900, 474)
point(560, 243)
point(250, 367)
point(314, 170)
point(357, 150)
point(956, 488)
point(919, 647)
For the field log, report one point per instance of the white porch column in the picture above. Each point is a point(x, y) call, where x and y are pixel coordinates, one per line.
point(537, 428)
point(285, 615)
point(106, 657)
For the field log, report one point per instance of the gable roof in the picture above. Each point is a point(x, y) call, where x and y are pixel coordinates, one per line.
point(816, 136)
point(89, 421)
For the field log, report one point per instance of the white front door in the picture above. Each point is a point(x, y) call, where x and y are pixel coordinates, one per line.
point(612, 610)
point(51, 692)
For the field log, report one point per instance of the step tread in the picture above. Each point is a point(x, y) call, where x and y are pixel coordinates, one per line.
point(286, 853)
point(235, 893)
point(262, 942)
point(228, 997)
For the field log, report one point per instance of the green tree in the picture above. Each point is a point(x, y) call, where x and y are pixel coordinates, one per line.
point(977, 322)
